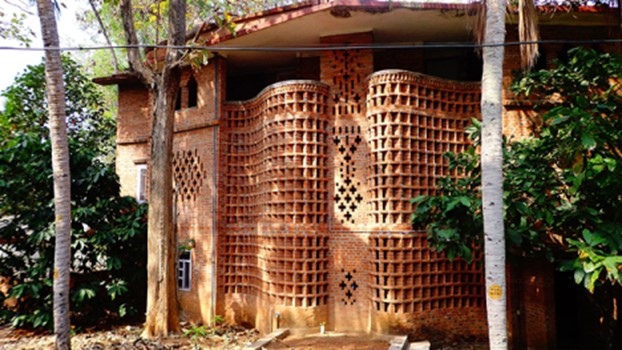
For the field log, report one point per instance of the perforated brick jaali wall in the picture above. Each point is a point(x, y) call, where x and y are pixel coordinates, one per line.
point(316, 180)
point(413, 121)
point(275, 204)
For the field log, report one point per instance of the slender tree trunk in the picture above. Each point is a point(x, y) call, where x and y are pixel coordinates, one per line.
point(492, 175)
point(162, 315)
point(101, 25)
point(60, 165)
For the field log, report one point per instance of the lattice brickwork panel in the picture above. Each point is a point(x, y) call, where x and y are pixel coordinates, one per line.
point(345, 72)
point(413, 120)
point(188, 173)
point(276, 178)
point(347, 196)
point(409, 278)
point(276, 156)
point(290, 267)
point(348, 71)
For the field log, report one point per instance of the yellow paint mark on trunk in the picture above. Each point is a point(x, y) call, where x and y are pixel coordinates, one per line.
point(495, 292)
point(56, 274)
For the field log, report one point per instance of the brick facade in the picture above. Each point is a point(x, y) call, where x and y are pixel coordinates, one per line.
point(297, 201)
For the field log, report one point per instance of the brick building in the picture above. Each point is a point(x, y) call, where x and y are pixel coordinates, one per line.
point(294, 170)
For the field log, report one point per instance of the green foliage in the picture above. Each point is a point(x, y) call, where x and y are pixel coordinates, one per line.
point(108, 236)
point(25, 108)
point(219, 319)
point(108, 273)
point(12, 27)
point(196, 332)
point(562, 189)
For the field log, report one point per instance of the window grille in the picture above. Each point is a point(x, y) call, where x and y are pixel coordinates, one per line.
point(184, 271)
point(141, 183)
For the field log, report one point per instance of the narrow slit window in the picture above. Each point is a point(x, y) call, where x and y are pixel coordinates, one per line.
point(178, 100)
point(141, 183)
point(193, 92)
point(184, 270)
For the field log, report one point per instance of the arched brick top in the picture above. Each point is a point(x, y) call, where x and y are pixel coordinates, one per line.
point(276, 149)
point(401, 75)
point(300, 84)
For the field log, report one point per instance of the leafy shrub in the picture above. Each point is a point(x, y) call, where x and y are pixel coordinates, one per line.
point(562, 188)
point(108, 236)
point(108, 277)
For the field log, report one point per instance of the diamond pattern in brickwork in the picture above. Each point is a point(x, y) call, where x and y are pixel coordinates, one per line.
point(347, 198)
point(346, 84)
point(348, 286)
point(188, 173)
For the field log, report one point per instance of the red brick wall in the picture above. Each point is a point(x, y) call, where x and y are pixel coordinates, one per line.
point(195, 160)
point(274, 207)
point(531, 303)
point(313, 183)
point(133, 132)
point(195, 157)
point(345, 72)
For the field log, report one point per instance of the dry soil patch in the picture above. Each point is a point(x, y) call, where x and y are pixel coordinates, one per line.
point(329, 341)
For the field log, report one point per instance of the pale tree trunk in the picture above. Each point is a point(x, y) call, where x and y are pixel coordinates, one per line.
point(60, 166)
point(492, 174)
point(162, 315)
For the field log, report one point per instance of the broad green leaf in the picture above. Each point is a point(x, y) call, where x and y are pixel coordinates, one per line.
point(578, 276)
point(559, 120)
point(465, 201)
point(587, 236)
point(588, 141)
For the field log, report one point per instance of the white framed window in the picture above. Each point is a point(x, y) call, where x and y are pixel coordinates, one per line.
point(184, 270)
point(141, 183)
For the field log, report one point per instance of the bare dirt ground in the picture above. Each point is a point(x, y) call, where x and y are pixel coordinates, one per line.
point(222, 338)
point(329, 341)
point(128, 338)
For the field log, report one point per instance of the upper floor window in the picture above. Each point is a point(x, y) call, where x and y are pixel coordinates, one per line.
point(193, 92)
point(187, 95)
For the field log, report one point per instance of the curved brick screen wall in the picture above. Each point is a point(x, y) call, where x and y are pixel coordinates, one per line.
point(413, 120)
point(276, 195)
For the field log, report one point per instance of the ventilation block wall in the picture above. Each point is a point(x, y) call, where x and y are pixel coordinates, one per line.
point(274, 241)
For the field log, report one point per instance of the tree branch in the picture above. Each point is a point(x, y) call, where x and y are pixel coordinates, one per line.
point(101, 25)
point(133, 54)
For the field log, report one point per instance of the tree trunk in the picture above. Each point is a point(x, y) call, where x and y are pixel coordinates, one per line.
point(60, 166)
point(492, 174)
point(162, 314)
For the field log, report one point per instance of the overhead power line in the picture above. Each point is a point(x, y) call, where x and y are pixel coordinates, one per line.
point(317, 48)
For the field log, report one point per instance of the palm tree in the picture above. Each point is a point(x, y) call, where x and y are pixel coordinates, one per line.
point(492, 174)
point(61, 173)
